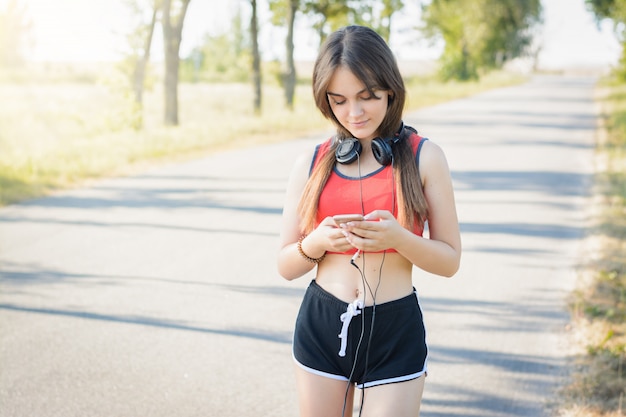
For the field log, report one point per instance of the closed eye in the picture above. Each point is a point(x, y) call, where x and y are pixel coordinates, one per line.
point(371, 96)
point(338, 99)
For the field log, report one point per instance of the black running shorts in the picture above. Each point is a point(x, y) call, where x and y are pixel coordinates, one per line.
point(335, 339)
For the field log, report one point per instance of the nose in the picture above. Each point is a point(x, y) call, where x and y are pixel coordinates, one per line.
point(355, 108)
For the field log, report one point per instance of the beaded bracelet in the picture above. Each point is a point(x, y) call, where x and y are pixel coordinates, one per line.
point(307, 257)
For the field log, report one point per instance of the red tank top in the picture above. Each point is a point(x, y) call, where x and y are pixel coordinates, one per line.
point(343, 194)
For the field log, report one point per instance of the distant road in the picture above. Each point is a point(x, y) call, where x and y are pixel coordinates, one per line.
point(157, 294)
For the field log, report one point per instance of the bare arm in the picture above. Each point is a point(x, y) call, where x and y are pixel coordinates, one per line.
point(441, 254)
point(290, 264)
point(326, 237)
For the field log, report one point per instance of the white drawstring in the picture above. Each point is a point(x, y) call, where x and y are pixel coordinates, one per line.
point(351, 311)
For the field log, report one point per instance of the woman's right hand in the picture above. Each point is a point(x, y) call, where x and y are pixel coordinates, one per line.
point(330, 236)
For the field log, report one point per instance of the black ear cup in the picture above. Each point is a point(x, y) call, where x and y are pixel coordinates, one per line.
point(348, 151)
point(381, 148)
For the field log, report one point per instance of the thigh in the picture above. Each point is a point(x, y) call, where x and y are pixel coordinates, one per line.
point(322, 396)
point(401, 399)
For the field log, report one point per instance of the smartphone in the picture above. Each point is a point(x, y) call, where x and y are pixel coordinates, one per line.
point(345, 218)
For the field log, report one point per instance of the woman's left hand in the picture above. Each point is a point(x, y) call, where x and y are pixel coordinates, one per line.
point(376, 233)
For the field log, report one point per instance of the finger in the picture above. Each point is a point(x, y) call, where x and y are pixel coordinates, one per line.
point(345, 238)
point(364, 228)
point(356, 239)
point(328, 221)
point(378, 215)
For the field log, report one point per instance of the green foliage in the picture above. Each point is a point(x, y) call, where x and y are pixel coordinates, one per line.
point(376, 14)
point(607, 300)
point(620, 70)
point(329, 15)
point(615, 10)
point(279, 10)
point(480, 34)
point(608, 9)
point(461, 31)
point(220, 58)
point(233, 64)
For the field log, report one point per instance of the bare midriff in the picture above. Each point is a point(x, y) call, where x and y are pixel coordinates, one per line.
point(342, 279)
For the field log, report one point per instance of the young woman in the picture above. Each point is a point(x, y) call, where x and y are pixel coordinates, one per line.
point(360, 324)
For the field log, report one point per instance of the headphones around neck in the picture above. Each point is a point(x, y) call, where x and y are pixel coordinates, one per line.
point(349, 149)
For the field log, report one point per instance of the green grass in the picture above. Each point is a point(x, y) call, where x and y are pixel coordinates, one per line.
point(598, 386)
point(57, 134)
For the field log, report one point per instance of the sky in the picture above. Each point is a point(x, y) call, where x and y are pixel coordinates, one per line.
point(92, 30)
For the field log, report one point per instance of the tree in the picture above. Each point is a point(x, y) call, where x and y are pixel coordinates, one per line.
point(290, 75)
point(615, 10)
point(14, 34)
point(376, 14)
point(284, 11)
point(480, 34)
point(608, 9)
point(256, 57)
point(174, 12)
point(510, 34)
point(145, 34)
point(389, 8)
point(330, 14)
point(234, 52)
point(144, 14)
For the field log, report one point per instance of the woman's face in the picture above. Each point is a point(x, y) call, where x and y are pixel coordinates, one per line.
point(358, 111)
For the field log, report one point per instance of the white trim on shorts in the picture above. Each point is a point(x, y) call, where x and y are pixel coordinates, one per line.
point(393, 380)
point(369, 384)
point(316, 372)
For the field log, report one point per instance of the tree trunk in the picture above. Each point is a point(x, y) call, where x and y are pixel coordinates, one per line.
point(290, 74)
point(256, 58)
point(142, 62)
point(172, 37)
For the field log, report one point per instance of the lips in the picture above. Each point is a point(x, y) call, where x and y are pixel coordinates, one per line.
point(358, 125)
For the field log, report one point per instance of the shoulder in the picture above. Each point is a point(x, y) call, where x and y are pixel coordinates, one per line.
point(424, 149)
point(306, 160)
point(430, 149)
point(416, 141)
point(320, 150)
point(432, 161)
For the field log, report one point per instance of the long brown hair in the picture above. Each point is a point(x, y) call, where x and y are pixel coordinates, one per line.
point(367, 56)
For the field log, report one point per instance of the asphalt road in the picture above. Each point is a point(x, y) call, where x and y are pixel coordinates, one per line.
point(157, 294)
